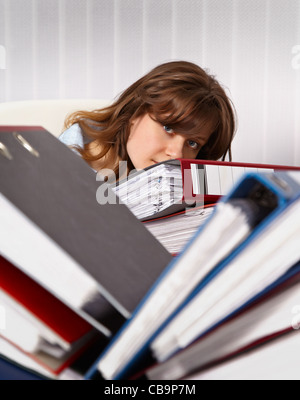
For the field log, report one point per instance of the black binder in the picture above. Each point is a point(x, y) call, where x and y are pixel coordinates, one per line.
point(56, 190)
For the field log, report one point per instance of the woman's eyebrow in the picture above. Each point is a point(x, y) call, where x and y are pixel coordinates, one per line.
point(198, 137)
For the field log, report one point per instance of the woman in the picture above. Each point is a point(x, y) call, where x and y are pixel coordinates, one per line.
point(177, 110)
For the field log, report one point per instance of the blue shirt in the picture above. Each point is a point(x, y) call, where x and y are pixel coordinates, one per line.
point(73, 137)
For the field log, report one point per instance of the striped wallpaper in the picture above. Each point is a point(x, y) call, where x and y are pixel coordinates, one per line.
point(95, 48)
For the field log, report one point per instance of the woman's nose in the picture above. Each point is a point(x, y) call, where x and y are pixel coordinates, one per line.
point(174, 148)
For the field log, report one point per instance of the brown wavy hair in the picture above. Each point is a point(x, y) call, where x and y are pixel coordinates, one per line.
point(178, 94)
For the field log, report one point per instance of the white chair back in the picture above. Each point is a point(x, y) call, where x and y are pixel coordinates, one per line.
point(49, 114)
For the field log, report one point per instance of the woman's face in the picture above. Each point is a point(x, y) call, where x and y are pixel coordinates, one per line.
point(150, 142)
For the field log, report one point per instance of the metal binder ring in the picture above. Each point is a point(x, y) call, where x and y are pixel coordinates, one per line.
point(25, 144)
point(5, 152)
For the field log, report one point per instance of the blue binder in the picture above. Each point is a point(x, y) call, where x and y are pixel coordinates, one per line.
point(13, 372)
point(275, 192)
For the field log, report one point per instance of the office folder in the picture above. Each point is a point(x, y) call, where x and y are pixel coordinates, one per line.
point(266, 316)
point(14, 372)
point(38, 324)
point(219, 242)
point(98, 259)
point(277, 359)
point(213, 179)
point(175, 185)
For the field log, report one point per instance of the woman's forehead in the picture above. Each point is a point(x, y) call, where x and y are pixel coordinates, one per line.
point(190, 123)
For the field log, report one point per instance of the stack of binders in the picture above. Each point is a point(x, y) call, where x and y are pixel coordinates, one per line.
point(88, 292)
point(71, 270)
point(174, 198)
point(234, 289)
point(175, 185)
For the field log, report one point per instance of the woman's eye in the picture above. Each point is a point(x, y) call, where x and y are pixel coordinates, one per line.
point(168, 129)
point(193, 145)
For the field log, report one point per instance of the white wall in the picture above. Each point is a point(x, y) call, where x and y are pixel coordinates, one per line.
point(95, 48)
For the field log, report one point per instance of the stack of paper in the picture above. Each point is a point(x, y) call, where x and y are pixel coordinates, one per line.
point(152, 191)
point(175, 231)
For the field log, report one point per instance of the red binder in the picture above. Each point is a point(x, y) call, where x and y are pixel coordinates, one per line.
point(214, 173)
point(47, 310)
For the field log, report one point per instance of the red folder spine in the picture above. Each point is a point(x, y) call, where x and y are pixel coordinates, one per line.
point(46, 307)
point(191, 198)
